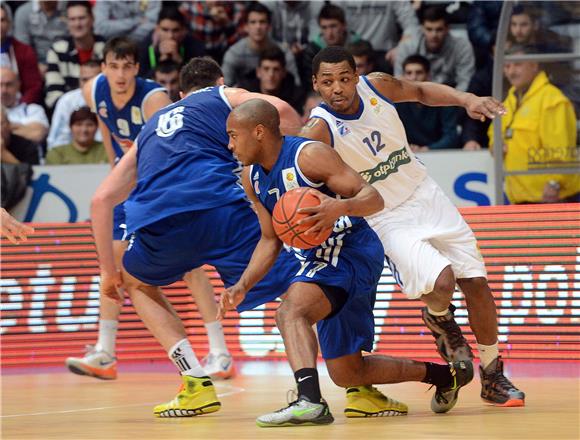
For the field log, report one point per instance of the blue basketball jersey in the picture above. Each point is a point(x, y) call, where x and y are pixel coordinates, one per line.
point(126, 123)
point(187, 138)
point(286, 175)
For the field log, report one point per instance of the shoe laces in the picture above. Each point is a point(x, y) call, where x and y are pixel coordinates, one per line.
point(498, 380)
point(453, 333)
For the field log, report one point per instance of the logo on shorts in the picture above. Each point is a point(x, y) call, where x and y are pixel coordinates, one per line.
point(388, 167)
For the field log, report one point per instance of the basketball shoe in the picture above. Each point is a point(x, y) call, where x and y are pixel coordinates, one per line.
point(451, 344)
point(299, 412)
point(196, 396)
point(445, 398)
point(95, 363)
point(367, 401)
point(219, 366)
point(497, 389)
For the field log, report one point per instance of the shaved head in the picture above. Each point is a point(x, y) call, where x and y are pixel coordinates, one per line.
point(258, 112)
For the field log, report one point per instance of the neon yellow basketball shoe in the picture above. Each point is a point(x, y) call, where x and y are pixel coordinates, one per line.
point(196, 396)
point(367, 401)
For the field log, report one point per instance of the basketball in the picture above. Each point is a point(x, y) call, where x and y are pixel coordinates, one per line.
point(286, 216)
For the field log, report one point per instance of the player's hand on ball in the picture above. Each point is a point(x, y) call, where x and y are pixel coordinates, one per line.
point(111, 283)
point(481, 107)
point(322, 216)
point(230, 299)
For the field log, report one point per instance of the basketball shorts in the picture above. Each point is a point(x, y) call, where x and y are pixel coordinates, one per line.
point(119, 225)
point(224, 237)
point(357, 272)
point(423, 236)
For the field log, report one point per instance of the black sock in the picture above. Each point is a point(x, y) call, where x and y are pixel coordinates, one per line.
point(438, 375)
point(308, 386)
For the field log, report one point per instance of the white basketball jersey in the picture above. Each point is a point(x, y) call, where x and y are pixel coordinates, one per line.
point(374, 143)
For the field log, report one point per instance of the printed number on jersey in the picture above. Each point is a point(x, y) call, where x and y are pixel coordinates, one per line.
point(374, 143)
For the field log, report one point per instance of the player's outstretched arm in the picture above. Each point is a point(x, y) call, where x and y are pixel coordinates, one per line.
point(359, 198)
point(263, 258)
point(112, 191)
point(12, 229)
point(433, 94)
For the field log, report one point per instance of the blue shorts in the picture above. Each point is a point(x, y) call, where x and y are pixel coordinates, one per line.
point(119, 225)
point(224, 237)
point(357, 272)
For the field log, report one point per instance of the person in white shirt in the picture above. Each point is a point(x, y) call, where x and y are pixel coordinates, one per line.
point(26, 120)
point(428, 245)
point(60, 133)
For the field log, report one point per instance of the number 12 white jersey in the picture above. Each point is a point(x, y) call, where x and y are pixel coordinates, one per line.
point(374, 143)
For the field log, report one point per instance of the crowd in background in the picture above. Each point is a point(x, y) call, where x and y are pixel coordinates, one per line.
point(49, 49)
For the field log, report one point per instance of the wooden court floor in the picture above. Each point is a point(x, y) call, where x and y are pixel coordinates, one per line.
point(59, 405)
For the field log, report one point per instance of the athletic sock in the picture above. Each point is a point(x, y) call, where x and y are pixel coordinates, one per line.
point(182, 355)
point(107, 336)
point(308, 385)
point(217, 341)
point(434, 313)
point(438, 375)
point(487, 354)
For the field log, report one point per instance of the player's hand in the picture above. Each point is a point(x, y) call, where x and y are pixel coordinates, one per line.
point(322, 216)
point(479, 107)
point(230, 299)
point(111, 283)
point(12, 229)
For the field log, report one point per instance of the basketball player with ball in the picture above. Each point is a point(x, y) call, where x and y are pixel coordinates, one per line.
point(341, 263)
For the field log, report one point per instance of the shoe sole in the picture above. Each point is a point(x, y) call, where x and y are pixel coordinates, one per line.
point(224, 375)
point(86, 372)
point(326, 420)
point(189, 412)
point(512, 403)
point(352, 413)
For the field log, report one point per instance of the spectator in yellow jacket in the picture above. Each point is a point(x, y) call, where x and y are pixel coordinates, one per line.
point(539, 130)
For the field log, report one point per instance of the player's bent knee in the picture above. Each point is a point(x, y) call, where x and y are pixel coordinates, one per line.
point(445, 283)
point(474, 286)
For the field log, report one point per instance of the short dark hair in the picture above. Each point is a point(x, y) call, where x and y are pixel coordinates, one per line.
point(82, 114)
point(85, 4)
point(167, 66)
point(361, 48)
point(332, 12)
point(333, 55)
point(435, 13)
point(121, 47)
point(417, 59)
point(273, 53)
point(258, 8)
point(520, 9)
point(172, 13)
point(198, 73)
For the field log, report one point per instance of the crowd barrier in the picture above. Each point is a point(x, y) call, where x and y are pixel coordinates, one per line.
point(50, 298)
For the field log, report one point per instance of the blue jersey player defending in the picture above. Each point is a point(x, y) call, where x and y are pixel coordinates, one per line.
point(336, 284)
point(123, 103)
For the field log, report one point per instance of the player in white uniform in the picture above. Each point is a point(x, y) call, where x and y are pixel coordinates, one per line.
point(428, 245)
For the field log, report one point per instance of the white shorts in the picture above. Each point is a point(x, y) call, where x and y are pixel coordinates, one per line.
point(424, 235)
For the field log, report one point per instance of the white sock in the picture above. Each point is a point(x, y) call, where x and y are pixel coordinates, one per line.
point(487, 354)
point(182, 355)
point(107, 336)
point(217, 341)
point(434, 313)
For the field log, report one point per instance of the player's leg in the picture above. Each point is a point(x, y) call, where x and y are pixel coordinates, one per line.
point(218, 364)
point(100, 360)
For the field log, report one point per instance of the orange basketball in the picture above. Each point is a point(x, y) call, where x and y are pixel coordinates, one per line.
point(285, 219)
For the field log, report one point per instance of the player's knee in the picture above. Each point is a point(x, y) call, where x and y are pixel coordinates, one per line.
point(477, 286)
point(290, 311)
point(445, 284)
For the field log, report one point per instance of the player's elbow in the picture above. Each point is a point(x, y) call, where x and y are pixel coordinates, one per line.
point(376, 201)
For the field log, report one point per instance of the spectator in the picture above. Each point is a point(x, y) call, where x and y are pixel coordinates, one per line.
point(333, 32)
point(243, 57)
point(363, 55)
point(272, 78)
point(20, 58)
point(538, 130)
point(39, 23)
point(166, 73)
point(170, 41)
point(128, 18)
point(451, 58)
point(312, 100)
point(218, 24)
point(83, 149)
point(66, 56)
point(525, 29)
point(15, 149)
point(26, 120)
point(427, 128)
point(69, 102)
point(482, 22)
point(379, 22)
